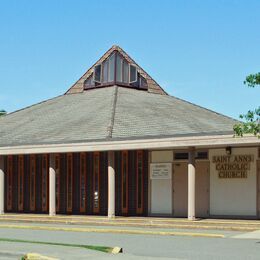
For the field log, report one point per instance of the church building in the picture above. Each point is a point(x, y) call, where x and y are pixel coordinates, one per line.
point(116, 144)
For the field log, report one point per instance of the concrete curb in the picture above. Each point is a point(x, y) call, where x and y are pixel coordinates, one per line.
point(186, 225)
point(116, 231)
point(94, 219)
point(151, 219)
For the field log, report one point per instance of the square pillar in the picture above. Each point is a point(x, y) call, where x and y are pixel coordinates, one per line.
point(2, 186)
point(191, 184)
point(52, 186)
point(111, 184)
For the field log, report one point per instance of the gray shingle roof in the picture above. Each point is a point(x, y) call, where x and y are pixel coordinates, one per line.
point(109, 113)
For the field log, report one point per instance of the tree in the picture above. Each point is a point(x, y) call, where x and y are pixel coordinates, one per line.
point(253, 80)
point(251, 124)
point(2, 112)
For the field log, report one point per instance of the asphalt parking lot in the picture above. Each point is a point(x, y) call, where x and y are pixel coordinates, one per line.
point(234, 245)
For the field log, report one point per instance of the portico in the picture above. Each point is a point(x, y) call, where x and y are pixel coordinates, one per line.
point(115, 191)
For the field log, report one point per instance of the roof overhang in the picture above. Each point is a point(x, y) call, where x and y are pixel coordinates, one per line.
point(215, 141)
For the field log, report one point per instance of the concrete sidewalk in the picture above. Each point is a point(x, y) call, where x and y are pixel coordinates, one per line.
point(115, 229)
point(147, 222)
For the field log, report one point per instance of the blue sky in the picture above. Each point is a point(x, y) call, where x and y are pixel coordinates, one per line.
point(199, 51)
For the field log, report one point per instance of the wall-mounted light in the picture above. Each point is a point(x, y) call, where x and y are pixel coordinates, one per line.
point(228, 150)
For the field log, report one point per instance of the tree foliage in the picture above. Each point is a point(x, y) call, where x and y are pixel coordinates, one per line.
point(2, 112)
point(252, 80)
point(251, 120)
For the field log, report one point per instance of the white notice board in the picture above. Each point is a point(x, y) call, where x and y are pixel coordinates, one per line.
point(160, 171)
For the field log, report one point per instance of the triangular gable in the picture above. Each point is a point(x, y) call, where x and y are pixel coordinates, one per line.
point(153, 86)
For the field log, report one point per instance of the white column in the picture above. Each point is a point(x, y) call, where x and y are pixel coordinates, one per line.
point(52, 186)
point(111, 184)
point(2, 186)
point(191, 185)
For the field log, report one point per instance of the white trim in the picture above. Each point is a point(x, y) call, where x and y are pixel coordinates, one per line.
point(164, 143)
point(108, 69)
point(130, 74)
point(101, 73)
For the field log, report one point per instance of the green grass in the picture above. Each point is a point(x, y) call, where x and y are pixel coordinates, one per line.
point(104, 249)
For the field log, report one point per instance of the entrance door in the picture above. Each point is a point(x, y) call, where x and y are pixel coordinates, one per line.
point(161, 189)
point(180, 189)
point(202, 189)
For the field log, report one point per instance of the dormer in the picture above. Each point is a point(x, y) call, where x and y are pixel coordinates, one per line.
point(115, 70)
point(116, 67)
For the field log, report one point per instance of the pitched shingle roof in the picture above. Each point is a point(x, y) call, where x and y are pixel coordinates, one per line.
point(109, 113)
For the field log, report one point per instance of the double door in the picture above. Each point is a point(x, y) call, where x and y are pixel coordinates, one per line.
point(169, 196)
point(180, 189)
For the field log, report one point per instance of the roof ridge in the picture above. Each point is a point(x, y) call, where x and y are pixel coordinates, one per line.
point(113, 112)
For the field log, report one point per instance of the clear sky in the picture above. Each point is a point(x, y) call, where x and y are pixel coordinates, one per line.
point(200, 51)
